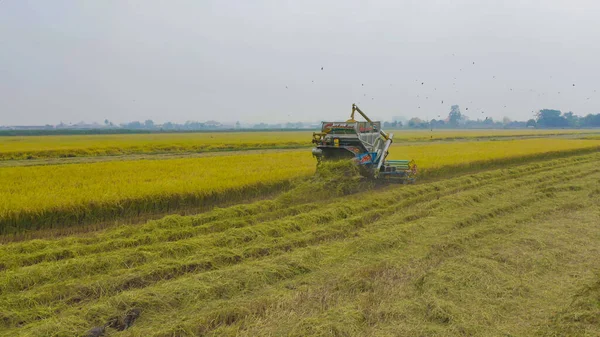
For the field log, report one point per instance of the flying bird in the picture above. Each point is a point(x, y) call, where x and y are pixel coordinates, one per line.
point(321, 68)
point(422, 83)
point(442, 101)
point(473, 62)
point(573, 84)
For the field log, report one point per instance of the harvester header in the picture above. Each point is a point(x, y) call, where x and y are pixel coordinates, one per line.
point(366, 144)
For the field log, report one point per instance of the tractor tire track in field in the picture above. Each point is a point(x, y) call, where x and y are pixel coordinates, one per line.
point(340, 226)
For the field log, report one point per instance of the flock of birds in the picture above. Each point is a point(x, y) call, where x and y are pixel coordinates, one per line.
point(454, 84)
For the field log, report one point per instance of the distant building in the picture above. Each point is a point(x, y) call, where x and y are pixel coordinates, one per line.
point(29, 127)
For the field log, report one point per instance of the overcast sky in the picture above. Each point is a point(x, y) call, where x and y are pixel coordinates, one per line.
point(176, 60)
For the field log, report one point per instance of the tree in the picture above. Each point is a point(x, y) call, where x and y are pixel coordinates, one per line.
point(436, 123)
point(133, 125)
point(454, 117)
point(392, 125)
point(149, 124)
point(572, 120)
point(260, 126)
point(548, 118)
point(531, 123)
point(417, 123)
point(591, 120)
point(414, 122)
point(488, 121)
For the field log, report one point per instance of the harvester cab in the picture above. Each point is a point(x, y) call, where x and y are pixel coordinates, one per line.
point(366, 144)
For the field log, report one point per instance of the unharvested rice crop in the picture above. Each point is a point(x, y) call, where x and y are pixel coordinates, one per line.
point(31, 147)
point(60, 195)
point(40, 196)
point(441, 157)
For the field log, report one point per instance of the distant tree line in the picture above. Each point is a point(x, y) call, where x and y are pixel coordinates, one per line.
point(150, 125)
point(545, 118)
point(548, 118)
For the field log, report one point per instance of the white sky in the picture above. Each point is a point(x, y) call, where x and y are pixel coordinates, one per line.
point(177, 60)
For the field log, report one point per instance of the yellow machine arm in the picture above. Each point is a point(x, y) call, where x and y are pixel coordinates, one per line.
point(355, 108)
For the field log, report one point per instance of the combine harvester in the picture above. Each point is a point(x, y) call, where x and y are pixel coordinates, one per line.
point(366, 144)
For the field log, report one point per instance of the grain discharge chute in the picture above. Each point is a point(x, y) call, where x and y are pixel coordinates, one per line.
point(366, 144)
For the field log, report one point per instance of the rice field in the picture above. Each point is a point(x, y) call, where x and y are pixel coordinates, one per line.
point(438, 158)
point(60, 195)
point(461, 256)
point(57, 195)
point(31, 147)
point(498, 238)
point(35, 147)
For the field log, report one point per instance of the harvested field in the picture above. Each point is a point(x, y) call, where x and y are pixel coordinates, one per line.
point(460, 256)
